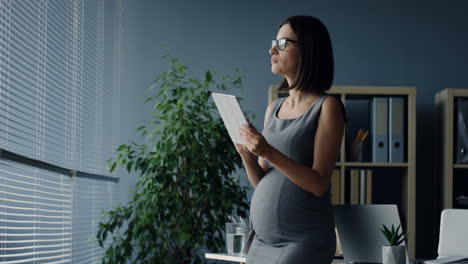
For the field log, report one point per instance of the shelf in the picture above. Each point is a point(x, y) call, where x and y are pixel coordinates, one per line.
point(372, 90)
point(380, 165)
point(374, 164)
point(446, 109)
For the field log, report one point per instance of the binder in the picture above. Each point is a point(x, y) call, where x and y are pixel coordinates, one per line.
point(336, 187)
point(396, 144)
point(354, 186)
point(362, 186)
point(369, 186)
point(462, 131)
point(379, 126)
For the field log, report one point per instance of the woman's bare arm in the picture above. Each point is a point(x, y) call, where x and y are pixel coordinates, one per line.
point(326, 148)
point(255, 167)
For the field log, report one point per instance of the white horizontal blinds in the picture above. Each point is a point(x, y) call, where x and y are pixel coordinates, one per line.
point(96, 139)
point(76, 80)
point(4, 58)
point(35, 215)
point(59, 86)
point(91, 89)
point(21, 92)
point(82, 220)
point(35, 205)
point(58, 112)
point(59, 103)
point(35, 112)
point(111, 79)
point(90, 197)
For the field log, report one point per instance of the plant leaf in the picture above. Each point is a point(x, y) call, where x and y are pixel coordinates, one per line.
point(208, 77)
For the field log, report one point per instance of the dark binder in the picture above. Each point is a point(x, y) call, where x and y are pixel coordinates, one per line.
point(461, 150)
point(396, 129)
point(379, 128)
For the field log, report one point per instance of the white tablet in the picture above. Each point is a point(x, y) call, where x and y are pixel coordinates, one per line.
point(231, 113)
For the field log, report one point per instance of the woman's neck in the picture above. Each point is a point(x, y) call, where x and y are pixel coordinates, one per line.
point(297, 97)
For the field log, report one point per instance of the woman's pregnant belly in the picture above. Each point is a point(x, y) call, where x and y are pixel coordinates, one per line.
point(264, 207)
point(283, 212)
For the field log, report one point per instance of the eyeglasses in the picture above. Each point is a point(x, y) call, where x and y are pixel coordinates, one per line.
point(281, 43)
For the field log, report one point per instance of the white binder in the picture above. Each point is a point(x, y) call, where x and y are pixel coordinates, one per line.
point(379, 126)
point(396, 144)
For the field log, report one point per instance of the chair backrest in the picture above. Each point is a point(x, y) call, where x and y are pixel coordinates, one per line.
point(453, 239)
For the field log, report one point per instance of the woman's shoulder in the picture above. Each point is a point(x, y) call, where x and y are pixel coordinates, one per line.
point(331, 101)
point(333, 106)
point(269, 109)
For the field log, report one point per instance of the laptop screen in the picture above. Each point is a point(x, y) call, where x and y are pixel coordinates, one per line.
point(359, 230)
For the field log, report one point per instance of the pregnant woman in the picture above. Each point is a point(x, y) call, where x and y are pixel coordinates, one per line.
point(290, 164)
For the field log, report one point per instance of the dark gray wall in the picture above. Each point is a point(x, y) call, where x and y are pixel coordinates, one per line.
point(378, 43)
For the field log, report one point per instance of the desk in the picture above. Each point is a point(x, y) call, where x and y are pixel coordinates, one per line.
point(241, 260)
point(226, 257)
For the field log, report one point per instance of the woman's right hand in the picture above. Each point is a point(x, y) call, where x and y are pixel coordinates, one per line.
point(244, 151)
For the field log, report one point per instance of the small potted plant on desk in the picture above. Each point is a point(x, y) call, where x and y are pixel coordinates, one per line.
point(394, 253)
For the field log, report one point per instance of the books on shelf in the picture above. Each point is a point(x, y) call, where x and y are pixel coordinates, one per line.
point(360, 181)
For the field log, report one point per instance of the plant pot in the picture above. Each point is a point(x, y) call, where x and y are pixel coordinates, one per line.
point(394, 254)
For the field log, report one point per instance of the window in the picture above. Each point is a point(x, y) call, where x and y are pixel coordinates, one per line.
point(35, 215)
point(59, 118)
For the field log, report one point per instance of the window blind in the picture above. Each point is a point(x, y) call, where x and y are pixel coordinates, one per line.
point(59, 81)
point(35, 215)
point(90, 197)
point(59, 104)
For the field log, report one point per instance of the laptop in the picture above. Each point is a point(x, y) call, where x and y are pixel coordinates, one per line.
point(359, 230)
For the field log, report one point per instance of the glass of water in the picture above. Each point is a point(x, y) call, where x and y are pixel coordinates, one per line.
point(236, 236)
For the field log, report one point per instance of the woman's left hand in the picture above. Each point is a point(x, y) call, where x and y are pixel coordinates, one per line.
point(254, 141)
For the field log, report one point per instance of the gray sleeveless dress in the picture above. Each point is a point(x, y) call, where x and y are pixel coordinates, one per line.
point(292, 226)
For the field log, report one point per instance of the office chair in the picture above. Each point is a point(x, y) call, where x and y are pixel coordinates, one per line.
point(453, 239)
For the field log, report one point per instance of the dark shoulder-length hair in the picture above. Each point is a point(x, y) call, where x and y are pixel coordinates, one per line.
point(316, 67)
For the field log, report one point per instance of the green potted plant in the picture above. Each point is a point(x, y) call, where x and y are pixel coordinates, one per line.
point(394, 252)
point(185, 189)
